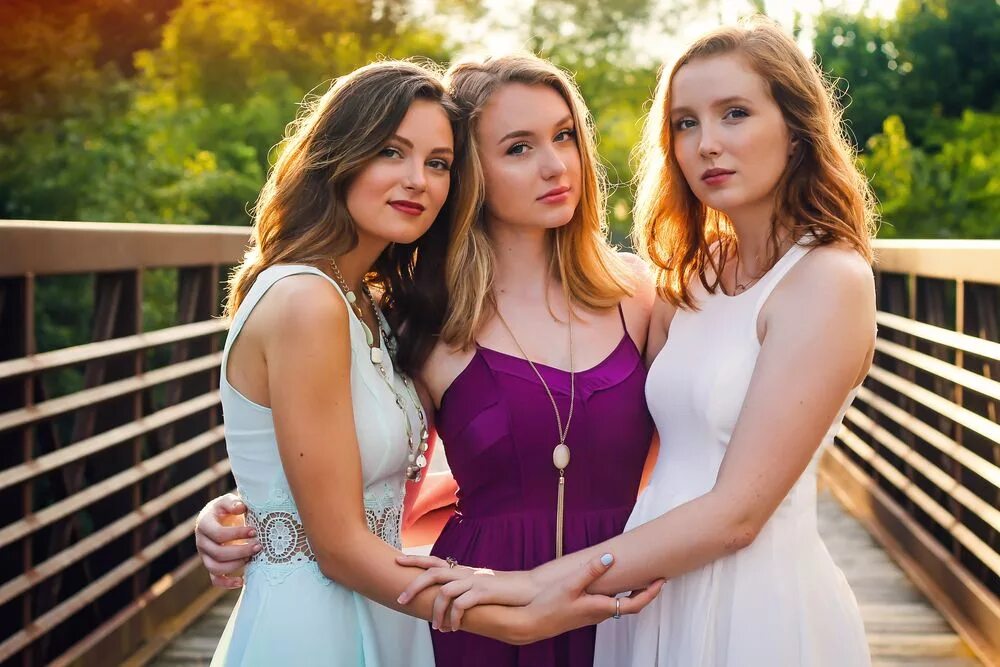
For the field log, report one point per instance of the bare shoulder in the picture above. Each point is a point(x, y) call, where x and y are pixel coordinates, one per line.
point(643, 282)
point(303, 306)
point(443, 365)
point(835, 270)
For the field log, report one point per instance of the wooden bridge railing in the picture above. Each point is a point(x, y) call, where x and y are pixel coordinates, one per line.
point(918, 458)
point(110, 443)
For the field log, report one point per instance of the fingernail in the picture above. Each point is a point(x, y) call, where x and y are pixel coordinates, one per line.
point(607, 559)
point(253, 533)
point(238, 506)
point(402, 599)
point(257, 548)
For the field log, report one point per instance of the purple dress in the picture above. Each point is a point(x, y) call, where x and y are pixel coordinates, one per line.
point(499, 430)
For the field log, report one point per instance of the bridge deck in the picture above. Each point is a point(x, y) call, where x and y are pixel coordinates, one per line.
point(903, 628)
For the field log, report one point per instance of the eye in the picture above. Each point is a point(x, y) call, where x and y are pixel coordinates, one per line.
point(736, 112)
point(684, 124)
point(518, 149)
point(390, 151)
point(441, 165)
point(566, 135)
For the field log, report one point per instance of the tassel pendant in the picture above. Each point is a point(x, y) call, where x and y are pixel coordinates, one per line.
point(559, 514)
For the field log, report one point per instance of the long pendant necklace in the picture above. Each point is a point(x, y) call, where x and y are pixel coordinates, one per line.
point(416, 449)
point(560, 454)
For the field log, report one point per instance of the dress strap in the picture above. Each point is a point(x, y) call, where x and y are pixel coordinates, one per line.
point(265, 280)
point(621, 315)
point(774, 276)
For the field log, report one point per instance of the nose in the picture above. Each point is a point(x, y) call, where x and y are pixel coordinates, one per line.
point(708, 143)
point(415, 179)
point(552, 163)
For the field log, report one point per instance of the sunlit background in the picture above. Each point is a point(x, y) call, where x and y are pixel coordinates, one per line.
point(168, 110)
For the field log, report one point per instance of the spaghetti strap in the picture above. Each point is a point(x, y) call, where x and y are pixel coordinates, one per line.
point(621, 315)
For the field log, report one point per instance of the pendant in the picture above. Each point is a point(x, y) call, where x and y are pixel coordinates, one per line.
point(376, 355)
point(560, 456)
point(421, 461)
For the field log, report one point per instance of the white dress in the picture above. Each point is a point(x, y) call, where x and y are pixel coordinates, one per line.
point(781, 602)
point(288, 612)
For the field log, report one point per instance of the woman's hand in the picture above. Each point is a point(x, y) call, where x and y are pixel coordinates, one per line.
point(551, 600)
point(224, 541)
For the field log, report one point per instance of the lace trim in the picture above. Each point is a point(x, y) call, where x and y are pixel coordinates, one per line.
point(285, 547)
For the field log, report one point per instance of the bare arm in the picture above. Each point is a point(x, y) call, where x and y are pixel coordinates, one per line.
point(816, 348)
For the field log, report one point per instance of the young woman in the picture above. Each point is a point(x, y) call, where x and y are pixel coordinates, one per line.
point(537, 380)
point(758, 223)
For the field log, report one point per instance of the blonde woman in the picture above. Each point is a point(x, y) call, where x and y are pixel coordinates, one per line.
point(537, 376)
point(758, 223)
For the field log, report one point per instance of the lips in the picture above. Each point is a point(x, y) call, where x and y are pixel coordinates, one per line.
point(555, 195)
point(407, 207)
point(716, 175)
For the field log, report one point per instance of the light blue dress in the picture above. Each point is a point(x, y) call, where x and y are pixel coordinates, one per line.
point(289, 613)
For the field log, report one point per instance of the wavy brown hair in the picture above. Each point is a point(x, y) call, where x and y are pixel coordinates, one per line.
point(821, 191)
point(590, 270)
point(301, 215)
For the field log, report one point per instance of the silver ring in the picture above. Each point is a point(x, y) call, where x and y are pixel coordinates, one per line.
point(618, 608)
point(451, 562)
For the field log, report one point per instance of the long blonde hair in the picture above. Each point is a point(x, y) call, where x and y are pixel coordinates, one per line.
point(821, 191)
point(590, 270)
point(301, 215)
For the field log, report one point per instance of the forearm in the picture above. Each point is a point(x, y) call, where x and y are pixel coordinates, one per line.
point(685, 538)
point(367, 565)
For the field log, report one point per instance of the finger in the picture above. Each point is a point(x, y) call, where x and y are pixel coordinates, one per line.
point(212, 528)
point(442, 603)
point(225, 553)
point(222, 581)
point(595, 568)
point(425, 562)
point(226, 569)
point(464, 602)
point(228, 504)
point(636, 603)
point(427, 578)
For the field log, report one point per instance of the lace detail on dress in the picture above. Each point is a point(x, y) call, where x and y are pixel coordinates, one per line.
point(285, 547)
point(384, 512)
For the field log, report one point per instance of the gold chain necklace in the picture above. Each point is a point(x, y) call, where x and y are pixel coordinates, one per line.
point(560, 454)
point(416, 450)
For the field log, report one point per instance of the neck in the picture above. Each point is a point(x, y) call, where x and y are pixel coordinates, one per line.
point(522, 259)
point(357, 262)
point(752, 225)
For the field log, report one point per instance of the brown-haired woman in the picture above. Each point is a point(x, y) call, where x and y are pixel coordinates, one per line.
point(754, 215)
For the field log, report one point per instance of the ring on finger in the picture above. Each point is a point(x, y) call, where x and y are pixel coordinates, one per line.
point(451, 562)
point(618, 608)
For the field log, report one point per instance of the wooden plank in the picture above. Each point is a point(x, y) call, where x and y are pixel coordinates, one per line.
point(985, 469)
point(940, 479)
point(50, 248)
point(105, 392)
point(969, 260)
point(928, 332)
point(106, 487)
point(96, 540)
point(934, 510)
point(78, 354)
point(110, 438)
point(942, 369)
point(942, 406)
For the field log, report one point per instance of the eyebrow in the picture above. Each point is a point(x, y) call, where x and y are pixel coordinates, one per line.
point(409, 144)
point(725, 101)
point(568, 118)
